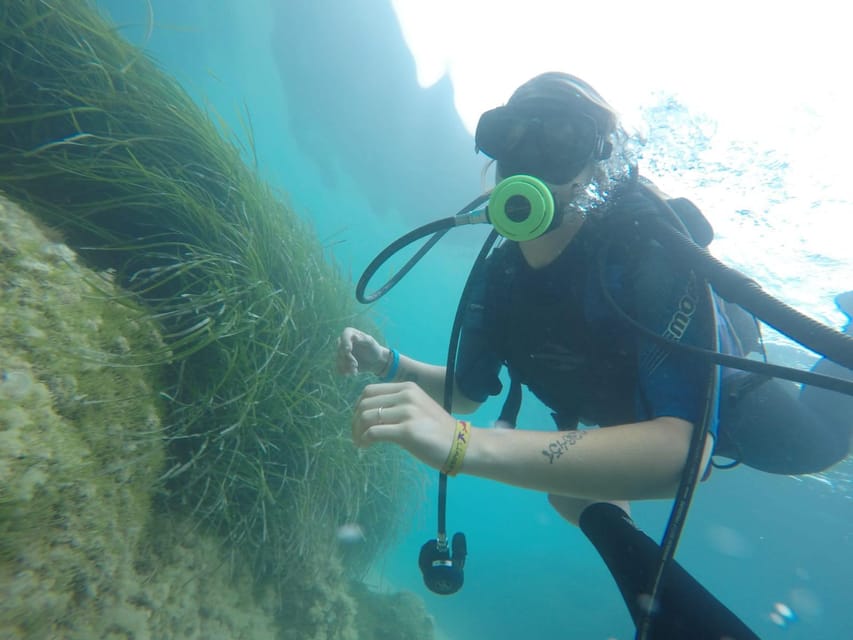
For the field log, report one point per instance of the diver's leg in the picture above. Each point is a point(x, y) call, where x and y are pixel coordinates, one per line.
point(571, 508)
point(767, 427)
point(684, 608)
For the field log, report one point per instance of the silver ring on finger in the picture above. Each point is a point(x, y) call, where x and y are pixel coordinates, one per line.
point(379, 416)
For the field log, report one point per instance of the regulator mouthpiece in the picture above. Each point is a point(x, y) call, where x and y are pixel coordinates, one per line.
point(521, 208)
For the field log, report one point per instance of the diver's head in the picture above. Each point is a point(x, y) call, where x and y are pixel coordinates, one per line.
point(554, 127)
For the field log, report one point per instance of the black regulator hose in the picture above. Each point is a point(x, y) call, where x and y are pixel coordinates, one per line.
point(739, 289)
point(442, 565)
point(693, 463)
point(653, 217)
point(686, 487)
point(664, 225)
point(438, 228)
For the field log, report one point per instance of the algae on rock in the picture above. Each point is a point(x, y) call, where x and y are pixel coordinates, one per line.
point(81, 448)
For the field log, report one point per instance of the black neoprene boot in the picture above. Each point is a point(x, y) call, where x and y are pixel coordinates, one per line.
point(684, 610)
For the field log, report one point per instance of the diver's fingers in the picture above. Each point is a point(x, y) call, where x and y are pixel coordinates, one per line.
point(376, 419)
point(347, 364)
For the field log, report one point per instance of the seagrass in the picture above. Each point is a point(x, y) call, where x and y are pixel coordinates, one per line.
point(146, 185)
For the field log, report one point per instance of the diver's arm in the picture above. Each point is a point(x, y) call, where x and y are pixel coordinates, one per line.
point(636, 461)
point(430, 378)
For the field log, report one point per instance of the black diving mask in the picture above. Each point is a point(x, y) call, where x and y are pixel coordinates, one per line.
point(553, 145)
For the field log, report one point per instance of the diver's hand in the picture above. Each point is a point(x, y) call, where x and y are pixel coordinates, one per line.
point(402, 413)
point(359, 352)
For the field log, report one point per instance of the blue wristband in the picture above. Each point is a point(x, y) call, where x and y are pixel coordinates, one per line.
point(395, 364)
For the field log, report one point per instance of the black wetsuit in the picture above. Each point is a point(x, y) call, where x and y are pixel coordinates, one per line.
point(558, 336)
point(554, 330)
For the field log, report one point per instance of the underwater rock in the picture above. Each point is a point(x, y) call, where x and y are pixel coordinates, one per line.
point(86, 549)
point(82, 555)
point(392, 616)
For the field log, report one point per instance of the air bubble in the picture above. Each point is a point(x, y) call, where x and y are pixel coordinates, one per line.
point(15, 384)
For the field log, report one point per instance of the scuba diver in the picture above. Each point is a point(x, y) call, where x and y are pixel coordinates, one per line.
point(556, 310)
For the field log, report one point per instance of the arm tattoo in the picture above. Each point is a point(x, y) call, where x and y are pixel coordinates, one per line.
point(561, 445)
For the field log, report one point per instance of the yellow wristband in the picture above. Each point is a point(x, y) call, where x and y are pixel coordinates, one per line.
point(457, 450)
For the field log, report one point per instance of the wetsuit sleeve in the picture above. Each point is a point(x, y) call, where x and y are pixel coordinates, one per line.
point(671, 302)
point(478, 363)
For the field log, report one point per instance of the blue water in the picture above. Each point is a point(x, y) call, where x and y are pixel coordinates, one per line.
point(341, 125)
